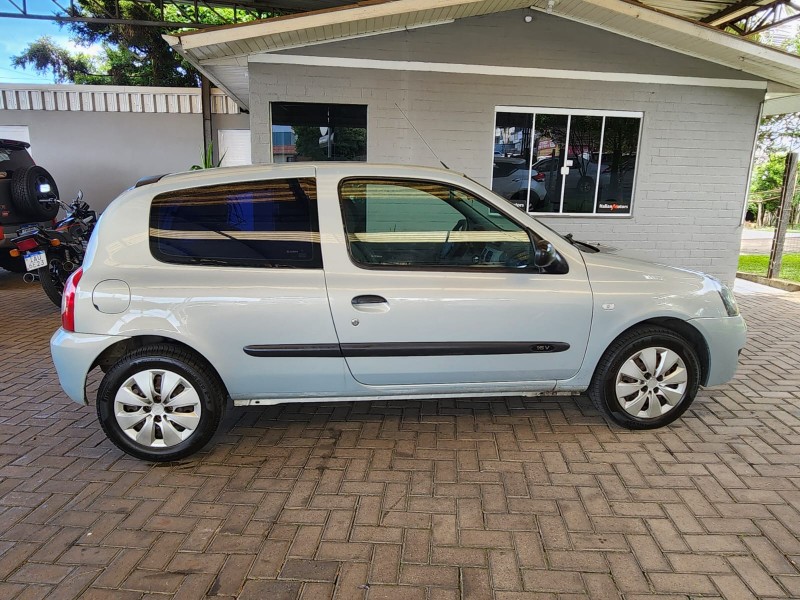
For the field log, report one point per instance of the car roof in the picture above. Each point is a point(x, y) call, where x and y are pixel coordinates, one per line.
point(202, 177)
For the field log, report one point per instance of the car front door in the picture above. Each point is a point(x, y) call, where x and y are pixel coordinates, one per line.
point(431, 284)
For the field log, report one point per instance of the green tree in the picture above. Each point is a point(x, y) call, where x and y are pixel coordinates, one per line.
point(765, 189)
point(45, 55)
point(131, 54)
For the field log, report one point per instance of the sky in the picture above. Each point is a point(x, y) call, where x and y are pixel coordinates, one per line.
point(16, 34)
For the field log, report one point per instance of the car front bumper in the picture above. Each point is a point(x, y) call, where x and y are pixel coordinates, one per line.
point(725, 336)
point(74, 354)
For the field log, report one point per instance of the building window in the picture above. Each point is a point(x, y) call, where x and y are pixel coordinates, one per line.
point(411, 224)
point(566, 161)
point(304, 131)
point(250, 224)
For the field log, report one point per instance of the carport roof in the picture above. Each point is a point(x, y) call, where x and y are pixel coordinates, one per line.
point(222, 53)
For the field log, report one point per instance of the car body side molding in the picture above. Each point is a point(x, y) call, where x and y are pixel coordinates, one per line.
point(404, 349)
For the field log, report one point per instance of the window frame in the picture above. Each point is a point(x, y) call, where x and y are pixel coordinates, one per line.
point(581, 112)
point(532, 235)
point(316, 264)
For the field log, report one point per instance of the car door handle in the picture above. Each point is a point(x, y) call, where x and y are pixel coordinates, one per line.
point(368, 299)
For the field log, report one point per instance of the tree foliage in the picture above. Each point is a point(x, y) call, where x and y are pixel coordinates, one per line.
point(45, 55)
point(765, 189)
point(130, 54)
point(779, 133)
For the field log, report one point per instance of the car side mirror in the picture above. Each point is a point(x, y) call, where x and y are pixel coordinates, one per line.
point(547, 259)
point(544, 254)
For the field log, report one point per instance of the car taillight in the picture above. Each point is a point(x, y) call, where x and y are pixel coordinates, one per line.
point(539, 177)
point(68, 300)
point(27, 244)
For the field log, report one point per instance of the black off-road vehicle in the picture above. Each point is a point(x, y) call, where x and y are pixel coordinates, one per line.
point(27, 195)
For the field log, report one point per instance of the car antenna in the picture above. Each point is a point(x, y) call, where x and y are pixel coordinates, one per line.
point(420, 136)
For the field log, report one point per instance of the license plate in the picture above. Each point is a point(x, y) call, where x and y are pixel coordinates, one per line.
point(35, 260)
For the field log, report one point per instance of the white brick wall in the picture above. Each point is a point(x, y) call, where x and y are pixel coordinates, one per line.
point(693, 158)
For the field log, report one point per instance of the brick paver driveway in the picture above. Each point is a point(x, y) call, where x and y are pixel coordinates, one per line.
point(498, 499)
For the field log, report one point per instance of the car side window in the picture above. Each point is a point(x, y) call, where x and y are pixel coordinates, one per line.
point(270, 223)
point(426, 225)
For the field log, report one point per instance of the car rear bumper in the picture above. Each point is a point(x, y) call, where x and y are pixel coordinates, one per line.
point(725, 336)
point(74, 354)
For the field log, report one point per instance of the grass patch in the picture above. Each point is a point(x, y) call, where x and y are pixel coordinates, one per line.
point(758, 263)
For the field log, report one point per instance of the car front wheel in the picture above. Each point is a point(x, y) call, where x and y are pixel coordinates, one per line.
point(647, 378)
point(159, 403)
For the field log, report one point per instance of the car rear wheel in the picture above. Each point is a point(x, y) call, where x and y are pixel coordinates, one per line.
point(160, 403)
point(585, 184)
point(646, 379)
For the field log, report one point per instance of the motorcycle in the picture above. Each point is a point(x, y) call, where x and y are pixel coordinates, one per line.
point(53, 254)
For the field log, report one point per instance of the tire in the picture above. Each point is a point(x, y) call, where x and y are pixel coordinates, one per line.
point(120, 402)
point(623, 378)
point(585, 184)
point(25, 192)
point(53, 289)
point(535, 203)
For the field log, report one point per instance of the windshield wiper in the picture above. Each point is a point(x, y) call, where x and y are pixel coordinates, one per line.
point(575, 242)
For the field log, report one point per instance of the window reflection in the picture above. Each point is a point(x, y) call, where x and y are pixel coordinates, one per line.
point(512, 156)
point(551, 137)
point(618, 165)
point(303, 131)
point(584, 146)
point(579, 164)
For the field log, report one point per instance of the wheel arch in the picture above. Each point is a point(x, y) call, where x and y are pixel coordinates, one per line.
point(113, 353)
point(683, 328)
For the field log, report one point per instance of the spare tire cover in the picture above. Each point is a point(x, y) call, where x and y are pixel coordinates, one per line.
point(25, 192)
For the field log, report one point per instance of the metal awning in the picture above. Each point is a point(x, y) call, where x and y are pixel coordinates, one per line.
point(745, 17)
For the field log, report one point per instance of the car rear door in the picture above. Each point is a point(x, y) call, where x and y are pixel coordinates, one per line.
point(240, 267)
point(422, 293)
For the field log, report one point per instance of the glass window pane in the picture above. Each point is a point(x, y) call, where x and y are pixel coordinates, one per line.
point(512, 152)
point(303, 131)
point(254, 224)
point(395, 223)
point(550, 139)
point(618, 164)
point(584, 149)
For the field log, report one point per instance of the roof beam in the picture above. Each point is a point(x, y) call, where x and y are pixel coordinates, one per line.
point(749, 17)
point(734, 12)
point(768, 23)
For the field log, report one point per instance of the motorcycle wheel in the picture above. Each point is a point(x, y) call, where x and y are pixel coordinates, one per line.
point(51, 286)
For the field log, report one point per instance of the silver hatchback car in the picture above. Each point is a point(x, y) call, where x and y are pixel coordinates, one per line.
point(307, 282)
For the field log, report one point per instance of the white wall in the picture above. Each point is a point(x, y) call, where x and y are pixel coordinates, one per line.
point(102, 139)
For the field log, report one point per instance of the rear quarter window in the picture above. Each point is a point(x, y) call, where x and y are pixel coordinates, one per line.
point(270, 223)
